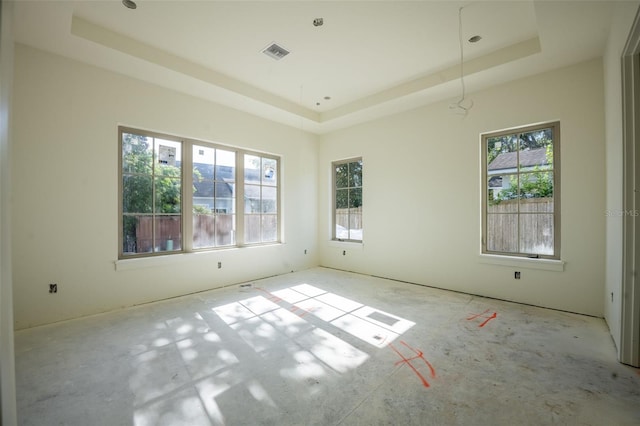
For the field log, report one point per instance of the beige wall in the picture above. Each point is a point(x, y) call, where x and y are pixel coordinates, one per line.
point(422, 192)
point(622, 20)
point(422, 202)
point(8, 412)
point(65, 190)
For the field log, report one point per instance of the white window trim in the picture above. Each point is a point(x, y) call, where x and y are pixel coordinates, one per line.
point(522, 262)
point(542, 260)
point(334, 238)
point(155, 258)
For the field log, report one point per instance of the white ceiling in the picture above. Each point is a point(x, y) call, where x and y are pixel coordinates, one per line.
point(371, 58)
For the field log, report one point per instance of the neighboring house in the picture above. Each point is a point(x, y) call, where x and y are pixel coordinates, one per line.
point(506, 163)
point(224, 188)
point(203, 194)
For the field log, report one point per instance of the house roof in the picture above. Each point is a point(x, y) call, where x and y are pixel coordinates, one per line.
point(530, 158)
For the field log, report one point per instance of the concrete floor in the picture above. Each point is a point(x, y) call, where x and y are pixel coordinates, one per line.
point(323, 347)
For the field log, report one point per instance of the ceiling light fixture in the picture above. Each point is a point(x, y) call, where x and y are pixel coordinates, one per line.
point(475, 39)
point(130, 4)
point(318, 22)
point(461, 107)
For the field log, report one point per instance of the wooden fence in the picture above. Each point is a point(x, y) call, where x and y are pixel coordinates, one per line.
point(532, 233)
point(349, 218)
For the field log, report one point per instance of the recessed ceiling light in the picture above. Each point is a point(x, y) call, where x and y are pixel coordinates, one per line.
point(129, 4)
point(475, 39)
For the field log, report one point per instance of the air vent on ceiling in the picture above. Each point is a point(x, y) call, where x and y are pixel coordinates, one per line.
point(275, 51)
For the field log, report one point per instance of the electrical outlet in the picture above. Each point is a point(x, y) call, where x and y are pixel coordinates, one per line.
point(516, 275)
point(219, 265)
point(53, 288)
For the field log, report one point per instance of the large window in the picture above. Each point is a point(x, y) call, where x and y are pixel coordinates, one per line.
point(347, 200)
point(521, 196)
point(179, 195)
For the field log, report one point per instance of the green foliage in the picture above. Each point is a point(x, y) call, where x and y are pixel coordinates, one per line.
point(518, 141)
point(201, 209)
point(534, 183)
point(349, 185)
point(140, 186)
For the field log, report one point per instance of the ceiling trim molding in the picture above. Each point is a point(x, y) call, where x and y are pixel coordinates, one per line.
point(129, 46)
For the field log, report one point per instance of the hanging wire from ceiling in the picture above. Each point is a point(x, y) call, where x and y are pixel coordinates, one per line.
point(463, 105)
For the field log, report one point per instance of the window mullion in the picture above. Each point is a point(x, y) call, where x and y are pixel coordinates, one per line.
point(153, 196)
point(187, 196)
point(240, 198)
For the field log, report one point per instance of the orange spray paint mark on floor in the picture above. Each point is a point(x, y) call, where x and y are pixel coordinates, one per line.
point(483, 315)
point(271, 297)
point(418, 355)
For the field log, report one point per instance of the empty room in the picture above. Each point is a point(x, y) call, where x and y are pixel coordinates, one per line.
point(319, 212)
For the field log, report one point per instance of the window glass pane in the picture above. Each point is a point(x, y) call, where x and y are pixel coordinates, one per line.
point(136, 194)
point(226, 162)
point(252, 169)
point(203, 205)
point(225, 197)
point(536, 150)
point(502, 194)
point(168, 233)
point(342, 198)
point(536, 185)
point(355, 223)
point(269, 199)
point(502, 233)
point(355, 174)
point(168, 153)
point(203, 230)
point(252, 229)
point(355, 197)
point(136, 234)
point(225, 230)
point(203, 155)
point(536, 234)
point(269, 171)
point(168, 195)
point(252, 198)
point(502, 154)
point(269, 227)
point(137, 154)
point(342, 232)
point(342, 175)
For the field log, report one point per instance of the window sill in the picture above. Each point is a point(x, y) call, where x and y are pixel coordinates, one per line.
point(350, 244)
point(178, 258)
point(523, 262)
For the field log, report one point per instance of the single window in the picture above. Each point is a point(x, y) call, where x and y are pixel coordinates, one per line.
point(347, 200)
point(151, 211)
point(260, 199)
point(521, 192)
point(153, 198)
point(214, 197)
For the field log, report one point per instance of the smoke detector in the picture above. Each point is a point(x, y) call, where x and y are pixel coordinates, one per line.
point(275, 51)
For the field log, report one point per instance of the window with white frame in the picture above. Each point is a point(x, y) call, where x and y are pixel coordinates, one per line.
point(179, 195)
point(347, 200)
point(521, 192)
